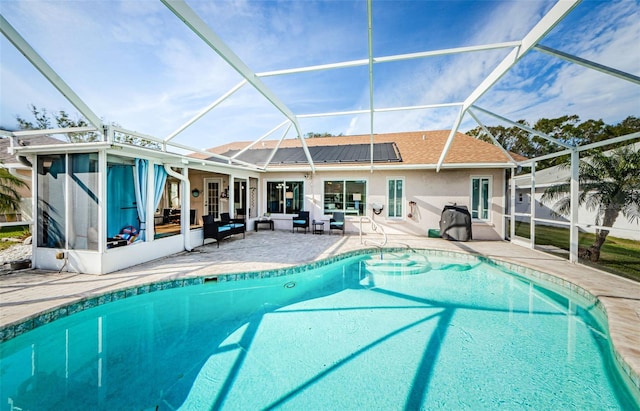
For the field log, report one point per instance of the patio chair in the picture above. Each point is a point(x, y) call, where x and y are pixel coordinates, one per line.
point(301, 221)
point(337, 222)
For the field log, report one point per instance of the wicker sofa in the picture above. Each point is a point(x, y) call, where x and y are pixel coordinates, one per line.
point(223, 228)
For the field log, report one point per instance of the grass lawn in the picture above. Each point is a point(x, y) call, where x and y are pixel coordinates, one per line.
point(21, 232)
point(618, 256)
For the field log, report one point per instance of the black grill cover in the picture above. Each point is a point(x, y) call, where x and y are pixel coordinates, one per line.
point(455, 223)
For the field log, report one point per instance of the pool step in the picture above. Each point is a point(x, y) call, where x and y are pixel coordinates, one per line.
point(397, 265)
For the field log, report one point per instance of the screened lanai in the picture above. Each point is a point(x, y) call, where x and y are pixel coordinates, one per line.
point(187, 76)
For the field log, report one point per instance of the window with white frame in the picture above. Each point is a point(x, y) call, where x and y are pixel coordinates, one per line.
point(286, 197)
point(480, 197)
point(348, 196)
point(395, 195)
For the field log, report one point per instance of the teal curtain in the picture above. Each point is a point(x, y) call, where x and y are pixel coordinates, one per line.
point(160, 178)
point(140, 184)
point(121, 199)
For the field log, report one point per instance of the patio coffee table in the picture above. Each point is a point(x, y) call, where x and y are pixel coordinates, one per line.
point(257, 223)
point(318, 227)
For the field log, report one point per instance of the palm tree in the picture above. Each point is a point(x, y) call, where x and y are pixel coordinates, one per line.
point(610, 184)
point(9, 196)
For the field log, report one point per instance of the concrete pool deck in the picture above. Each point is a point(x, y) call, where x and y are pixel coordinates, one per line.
point(26, 293)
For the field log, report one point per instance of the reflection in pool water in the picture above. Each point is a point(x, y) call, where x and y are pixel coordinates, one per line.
point(405, 331)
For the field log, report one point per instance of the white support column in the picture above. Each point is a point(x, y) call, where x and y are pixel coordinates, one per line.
point(247, 200)
point(231, 197)
point(186, 206)
point(102, 204)
point(151, 193)
point(512, 205)
point(532, 210)
point(575, 178)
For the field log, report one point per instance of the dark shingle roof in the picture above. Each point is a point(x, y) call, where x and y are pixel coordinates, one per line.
point(354, 153)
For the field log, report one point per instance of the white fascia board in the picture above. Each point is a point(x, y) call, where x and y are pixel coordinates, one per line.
point(61, 148)
point(546, 24)
point(49, 73)
point(391, 167)
point(42, 132)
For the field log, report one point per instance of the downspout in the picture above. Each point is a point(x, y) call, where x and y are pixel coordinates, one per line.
point(24, 161)
point(184, 220)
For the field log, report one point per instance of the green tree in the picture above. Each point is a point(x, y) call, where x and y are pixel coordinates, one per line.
point(62, 119)
point(567, 129)
point(609, 184)
point(312, 134)
point(9, 196)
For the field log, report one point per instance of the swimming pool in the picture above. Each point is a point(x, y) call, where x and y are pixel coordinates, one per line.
point(397, 330)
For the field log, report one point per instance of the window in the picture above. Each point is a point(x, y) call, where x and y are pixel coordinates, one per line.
point(174, 193)
point(348, 196)
point(68, 181)
point(394, 198)
point(286, 197)
point(480, 194)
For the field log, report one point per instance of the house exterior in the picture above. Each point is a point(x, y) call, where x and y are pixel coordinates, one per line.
point(87, 196)
point(402, 178)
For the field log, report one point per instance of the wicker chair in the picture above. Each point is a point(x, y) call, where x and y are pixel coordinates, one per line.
point(301, 221)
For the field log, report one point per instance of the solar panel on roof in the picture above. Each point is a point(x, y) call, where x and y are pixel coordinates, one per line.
point(352, 153)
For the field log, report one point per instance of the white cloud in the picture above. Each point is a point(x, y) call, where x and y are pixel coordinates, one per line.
point(530, 92)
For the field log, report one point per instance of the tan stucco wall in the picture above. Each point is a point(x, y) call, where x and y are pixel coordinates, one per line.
point(430, 190)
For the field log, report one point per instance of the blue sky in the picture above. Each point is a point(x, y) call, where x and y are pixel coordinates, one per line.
point(134, 63)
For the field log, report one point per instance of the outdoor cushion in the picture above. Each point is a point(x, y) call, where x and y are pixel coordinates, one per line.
point(224, 227)
point(300, 221)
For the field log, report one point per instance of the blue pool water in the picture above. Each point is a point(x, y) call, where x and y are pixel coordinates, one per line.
point(405, 331)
